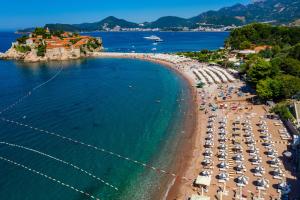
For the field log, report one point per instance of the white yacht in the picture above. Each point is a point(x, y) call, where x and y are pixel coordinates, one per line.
point(154, 37)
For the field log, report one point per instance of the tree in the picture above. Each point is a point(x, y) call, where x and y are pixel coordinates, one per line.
point(290, 85)
point(268, 89)
point(295, 52)
point(260, 69)
point(22, 40)
point(245, 45)
point(291, 66)
point(39, 31)
point(41, 50)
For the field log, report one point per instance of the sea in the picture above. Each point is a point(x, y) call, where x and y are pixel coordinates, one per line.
point(94, 127)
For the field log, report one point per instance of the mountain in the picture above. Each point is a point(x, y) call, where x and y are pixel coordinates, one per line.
point(109, 22)
point(269, 11)
point(275, 11)
point(170, 22)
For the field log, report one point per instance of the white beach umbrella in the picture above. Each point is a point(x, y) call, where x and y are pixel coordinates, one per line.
point(222, 146)
point(223, 165)
point(262, 182)
point(206, 161)
point(222, 155)
point(238, 157)
point(223, 176)
point(210, 125)
point(205, 173)
point(255, 159)
point(242, 179)
point(277, 172)
point(209, 137)
point(274, 161)
point(240, 167)
point(210, 130)
point(259, 169)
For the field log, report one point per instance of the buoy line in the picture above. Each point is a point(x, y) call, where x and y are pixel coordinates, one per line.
point(48, 177)
point(29, 93)
point(69, 139)
point(61, 161)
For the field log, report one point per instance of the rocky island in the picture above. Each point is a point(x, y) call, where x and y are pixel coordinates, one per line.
point(45, 45)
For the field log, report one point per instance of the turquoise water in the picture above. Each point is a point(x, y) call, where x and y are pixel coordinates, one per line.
point(127, 106)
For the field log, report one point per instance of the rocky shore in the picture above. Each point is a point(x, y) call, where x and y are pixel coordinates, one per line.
point(46, 45)
point(53, 55)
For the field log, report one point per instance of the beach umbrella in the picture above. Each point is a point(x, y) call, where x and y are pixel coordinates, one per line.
point(222, 146)
point(250, 141)
point(223, 176)
point(209, 130)
point(209, 136)
point(277, 172)
point(262, 182)
point(222, 131)
point(259, 169)
point(209, 125)
point(240, 167)
point(205, 173)
point(208, 152)
point(255, 159)
point(222, 165)
point(222, 139)
point(271, 152)
point(222, 155)
point(206, 161)
point(242, 179)
point(208, 143)
point(274, 161)
point(238, 157)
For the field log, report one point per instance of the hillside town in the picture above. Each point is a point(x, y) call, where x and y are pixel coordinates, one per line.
point(43, 44)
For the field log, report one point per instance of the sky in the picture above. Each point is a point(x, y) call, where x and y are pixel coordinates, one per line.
point(15, 14)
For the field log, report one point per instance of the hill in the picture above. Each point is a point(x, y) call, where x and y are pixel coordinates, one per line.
point(267, 11)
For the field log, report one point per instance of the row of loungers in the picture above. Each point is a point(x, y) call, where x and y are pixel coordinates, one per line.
point(211, 75)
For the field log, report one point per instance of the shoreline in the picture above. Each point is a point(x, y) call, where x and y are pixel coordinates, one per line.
point(184, 160)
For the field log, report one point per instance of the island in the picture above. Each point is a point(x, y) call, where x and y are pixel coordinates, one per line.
point(44, 45)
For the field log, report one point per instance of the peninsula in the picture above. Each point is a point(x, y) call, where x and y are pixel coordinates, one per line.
point(44, 45)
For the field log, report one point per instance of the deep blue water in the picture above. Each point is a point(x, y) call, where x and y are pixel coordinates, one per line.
point(134, 41)
point(130, 107)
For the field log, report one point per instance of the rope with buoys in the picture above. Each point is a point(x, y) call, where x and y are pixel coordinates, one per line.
point(48, 177)
point(59, 160)
point(29, 93)
point(69, 139)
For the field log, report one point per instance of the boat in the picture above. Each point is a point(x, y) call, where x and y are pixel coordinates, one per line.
point(154, 37)
point(153, 49)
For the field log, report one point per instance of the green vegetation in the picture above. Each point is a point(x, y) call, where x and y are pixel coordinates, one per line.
point(22, 48)
point(282, 109)
point(74, 41)
point(263, 34)
point(93, 44)
point(41, 50)
point(22, 40)
point(206, 55)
